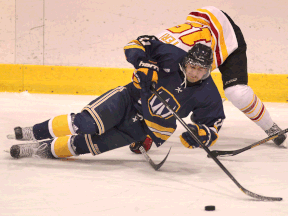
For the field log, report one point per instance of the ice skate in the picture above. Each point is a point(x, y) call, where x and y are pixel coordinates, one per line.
point(44, 150)
point(39, 150)
point(24, 150)
point(22, 134)
point(280, 140)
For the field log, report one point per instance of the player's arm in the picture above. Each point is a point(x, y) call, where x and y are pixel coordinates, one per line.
point(138, 53)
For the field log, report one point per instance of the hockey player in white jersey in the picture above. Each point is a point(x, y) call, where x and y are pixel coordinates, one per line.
point(214, 28)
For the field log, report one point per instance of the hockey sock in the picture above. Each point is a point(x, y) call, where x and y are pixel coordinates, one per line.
point(63, 147)
point(243, 97)
point(58, 126)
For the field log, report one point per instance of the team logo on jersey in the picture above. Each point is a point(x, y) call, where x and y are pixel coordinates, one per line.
point(157, 108)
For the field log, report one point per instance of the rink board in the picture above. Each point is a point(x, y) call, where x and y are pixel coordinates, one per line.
point(97, 80)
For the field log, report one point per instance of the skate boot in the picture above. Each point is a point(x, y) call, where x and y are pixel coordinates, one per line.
point(280, 140)
point(24, 150)
point(23, 134)
point(44, 150)
point(39, 150)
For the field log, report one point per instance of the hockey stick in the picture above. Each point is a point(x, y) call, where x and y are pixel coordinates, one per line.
point(149, 160)
point(247, 192)
point(238, 151)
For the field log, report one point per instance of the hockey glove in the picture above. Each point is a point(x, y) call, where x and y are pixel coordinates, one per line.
point(207, 136)
point(143, 79)
point(145, 38)
point(147, 143)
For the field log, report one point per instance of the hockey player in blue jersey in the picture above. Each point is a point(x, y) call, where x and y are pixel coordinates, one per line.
point(127, 114)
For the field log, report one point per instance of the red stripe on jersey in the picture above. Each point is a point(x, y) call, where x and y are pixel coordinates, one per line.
point(214, 30)
point(260, 114)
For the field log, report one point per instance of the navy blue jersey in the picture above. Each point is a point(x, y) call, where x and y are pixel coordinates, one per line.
point(203, 98)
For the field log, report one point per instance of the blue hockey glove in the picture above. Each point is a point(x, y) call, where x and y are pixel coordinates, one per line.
point(207, 136)
point(143, 79)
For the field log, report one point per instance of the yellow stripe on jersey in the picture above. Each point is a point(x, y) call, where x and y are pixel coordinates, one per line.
point(197, 20)
point(159, 127)
point(93, 148)
point(89, 144)
point(134, 44)
point(221, 33)
point(159, 131)
point(161, 136)
point(94, 114)
point(61, 147)
point(59, 126)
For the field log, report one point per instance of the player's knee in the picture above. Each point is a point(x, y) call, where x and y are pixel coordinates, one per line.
point(239, 94)
point(84, 123)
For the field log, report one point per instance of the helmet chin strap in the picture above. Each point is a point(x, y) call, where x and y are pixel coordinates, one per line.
point(207, 74)
point(185, 76)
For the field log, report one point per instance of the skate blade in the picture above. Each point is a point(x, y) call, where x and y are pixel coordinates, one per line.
point(7, 151)
point(11, 136)
point(285, 143)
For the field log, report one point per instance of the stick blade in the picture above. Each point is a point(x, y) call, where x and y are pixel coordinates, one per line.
point(163, 161)
point(260, 197)
point(11, 136)
point(217, 153)
point(146, 156)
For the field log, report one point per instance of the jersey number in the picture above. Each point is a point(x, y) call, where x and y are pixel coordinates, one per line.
point(192, 37)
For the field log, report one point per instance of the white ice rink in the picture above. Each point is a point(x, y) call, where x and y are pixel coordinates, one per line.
point(122, 183)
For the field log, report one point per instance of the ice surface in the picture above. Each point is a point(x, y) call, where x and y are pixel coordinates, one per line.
point(122, 183)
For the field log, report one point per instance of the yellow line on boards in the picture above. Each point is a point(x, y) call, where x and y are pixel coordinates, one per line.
point(97, 80)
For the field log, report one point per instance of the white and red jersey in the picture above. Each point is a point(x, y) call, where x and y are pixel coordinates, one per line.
point(207, 25)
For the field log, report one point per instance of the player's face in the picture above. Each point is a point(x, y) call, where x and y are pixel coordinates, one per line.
point(194, 73)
